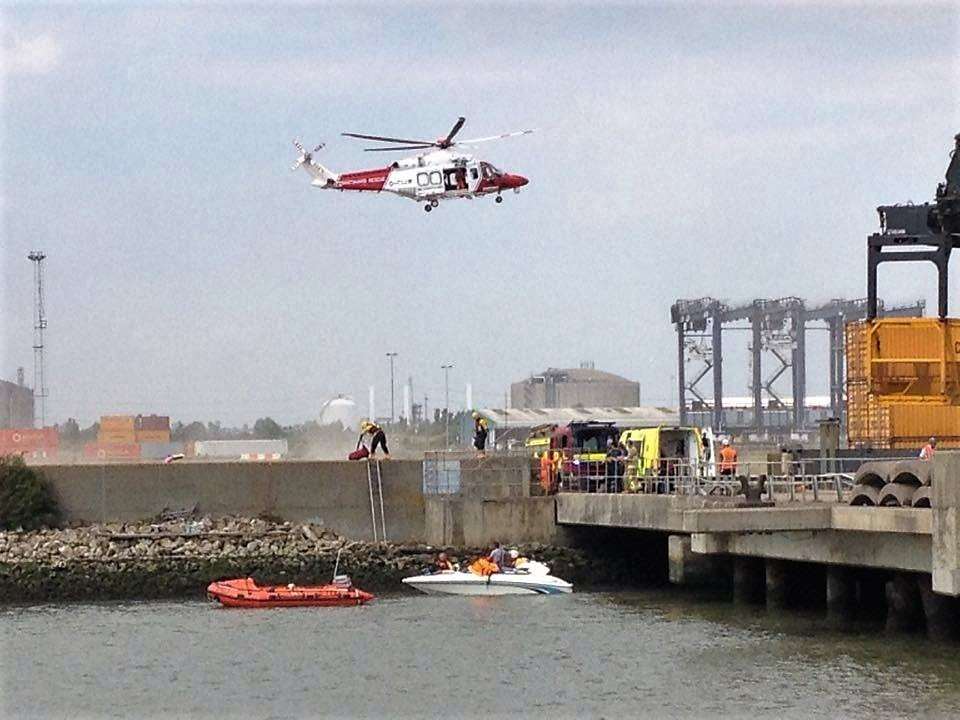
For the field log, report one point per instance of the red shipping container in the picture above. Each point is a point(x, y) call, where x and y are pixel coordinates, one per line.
point(97, 451)
point(18, 440)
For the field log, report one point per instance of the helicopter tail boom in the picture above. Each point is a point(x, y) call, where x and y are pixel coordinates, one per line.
point(322, 176)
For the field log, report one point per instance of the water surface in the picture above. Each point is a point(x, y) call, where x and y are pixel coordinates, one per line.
point(647, 654)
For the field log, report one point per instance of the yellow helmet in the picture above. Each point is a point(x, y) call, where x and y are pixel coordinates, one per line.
point(475, 415)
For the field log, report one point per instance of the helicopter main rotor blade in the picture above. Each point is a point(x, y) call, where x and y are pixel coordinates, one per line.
point(456, 128)
point(405, 147)
point(380, 138)
point(496, 137)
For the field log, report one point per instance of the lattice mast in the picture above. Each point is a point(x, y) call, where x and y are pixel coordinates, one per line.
point(39, 325)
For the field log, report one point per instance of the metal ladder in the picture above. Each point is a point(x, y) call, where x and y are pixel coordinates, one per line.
point(371, 464)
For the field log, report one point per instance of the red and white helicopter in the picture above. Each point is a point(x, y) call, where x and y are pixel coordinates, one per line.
point(441, 173)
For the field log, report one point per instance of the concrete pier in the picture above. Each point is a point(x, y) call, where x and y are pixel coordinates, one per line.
point(748, 581)
point(945, 501)
point(940, 612)
point(777, 583)
point(692, 569)
point(904, 607)
point(841, 592)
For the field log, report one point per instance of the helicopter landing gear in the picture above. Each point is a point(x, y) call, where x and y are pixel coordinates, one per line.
point(434, 203)
point(499, 199)
point(428, 207)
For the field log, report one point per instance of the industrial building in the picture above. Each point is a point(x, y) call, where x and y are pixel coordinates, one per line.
point(574, 387)
point(16, 405)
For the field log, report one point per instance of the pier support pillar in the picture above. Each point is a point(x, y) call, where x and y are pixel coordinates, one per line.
point(945, 501)
point(871, 595)
point(904, 608)
point(939, 611)
point(777, 583)
point(748, 581)
point(841, 590)
point(689, 568)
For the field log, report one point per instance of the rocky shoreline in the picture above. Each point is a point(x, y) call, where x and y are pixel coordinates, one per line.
point(179, 558)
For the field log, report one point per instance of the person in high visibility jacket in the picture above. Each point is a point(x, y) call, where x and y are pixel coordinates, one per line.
point(728, 459)
point(926, 453)
point(547, 477)
point(378, 438)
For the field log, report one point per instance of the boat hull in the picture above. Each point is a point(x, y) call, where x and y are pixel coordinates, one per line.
point(245, 593)
point(497, 584)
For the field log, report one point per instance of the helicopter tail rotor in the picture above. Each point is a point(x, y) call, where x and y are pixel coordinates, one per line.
point(306, 158)
point(321, 175)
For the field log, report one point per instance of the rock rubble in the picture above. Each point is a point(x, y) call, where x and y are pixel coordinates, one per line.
point(180, 558)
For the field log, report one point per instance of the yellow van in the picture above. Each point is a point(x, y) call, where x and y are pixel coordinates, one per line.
point(666, 451)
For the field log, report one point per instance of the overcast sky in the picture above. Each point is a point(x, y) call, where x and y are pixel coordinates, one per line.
point(682, 151)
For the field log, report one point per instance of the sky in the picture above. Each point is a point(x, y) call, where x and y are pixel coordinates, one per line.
point(682, 150)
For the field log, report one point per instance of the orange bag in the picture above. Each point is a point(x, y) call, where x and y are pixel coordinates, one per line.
point(483, 567)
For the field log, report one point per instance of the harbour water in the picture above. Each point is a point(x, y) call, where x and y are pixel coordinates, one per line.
point(640, 654)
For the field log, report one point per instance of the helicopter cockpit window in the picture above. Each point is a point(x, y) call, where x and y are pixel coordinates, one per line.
point(474, 174)
point(487, 170)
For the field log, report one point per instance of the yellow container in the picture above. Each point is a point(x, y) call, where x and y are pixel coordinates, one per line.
point(909, 360)
point(120, 423)
point(116, 437)
point(153, 436)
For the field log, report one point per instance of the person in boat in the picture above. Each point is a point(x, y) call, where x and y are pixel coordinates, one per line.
point(498, 556)
point(442, 563)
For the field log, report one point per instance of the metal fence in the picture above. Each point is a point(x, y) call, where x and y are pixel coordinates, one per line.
point(465, 472)
point(823, 479)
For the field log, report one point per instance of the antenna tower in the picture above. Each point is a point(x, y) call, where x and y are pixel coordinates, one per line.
point(39, 325)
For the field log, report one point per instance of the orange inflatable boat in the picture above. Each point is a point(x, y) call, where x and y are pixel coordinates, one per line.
point(245, 593)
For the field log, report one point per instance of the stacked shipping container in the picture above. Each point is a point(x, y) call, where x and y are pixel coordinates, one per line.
point(31, 443)
point(153, 429)
point(884, 408)
point(125, 437)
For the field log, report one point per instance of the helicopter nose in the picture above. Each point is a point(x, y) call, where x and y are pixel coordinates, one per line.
point(515, 181)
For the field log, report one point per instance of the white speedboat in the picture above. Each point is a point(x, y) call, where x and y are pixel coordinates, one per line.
point(533, 578)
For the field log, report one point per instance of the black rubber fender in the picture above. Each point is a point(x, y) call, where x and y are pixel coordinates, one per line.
point(922, 497)
point(911, 472)
point(876, 474)
point(896, 495)
point(865, 495)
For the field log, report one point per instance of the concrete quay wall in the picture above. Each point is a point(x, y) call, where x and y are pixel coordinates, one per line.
point(335, 495)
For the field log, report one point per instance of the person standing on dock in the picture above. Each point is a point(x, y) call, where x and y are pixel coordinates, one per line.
point(926, 453)
point(480, 431)
point(728, 458)
point(378, 438)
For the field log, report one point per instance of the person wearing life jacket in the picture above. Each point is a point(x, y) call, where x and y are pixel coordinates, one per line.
point(926, 453)
point(480, 431)
point(378, 438)
point(728, 459)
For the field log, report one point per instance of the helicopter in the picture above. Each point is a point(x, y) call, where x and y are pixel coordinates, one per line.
point(439, 173)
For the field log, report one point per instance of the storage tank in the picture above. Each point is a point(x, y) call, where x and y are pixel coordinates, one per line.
point(340, 409)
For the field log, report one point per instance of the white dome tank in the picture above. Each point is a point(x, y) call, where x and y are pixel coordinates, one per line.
point(340, 409)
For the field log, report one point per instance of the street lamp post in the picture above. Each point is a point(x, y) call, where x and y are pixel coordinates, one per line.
point(391, 356)
point(446, 401)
